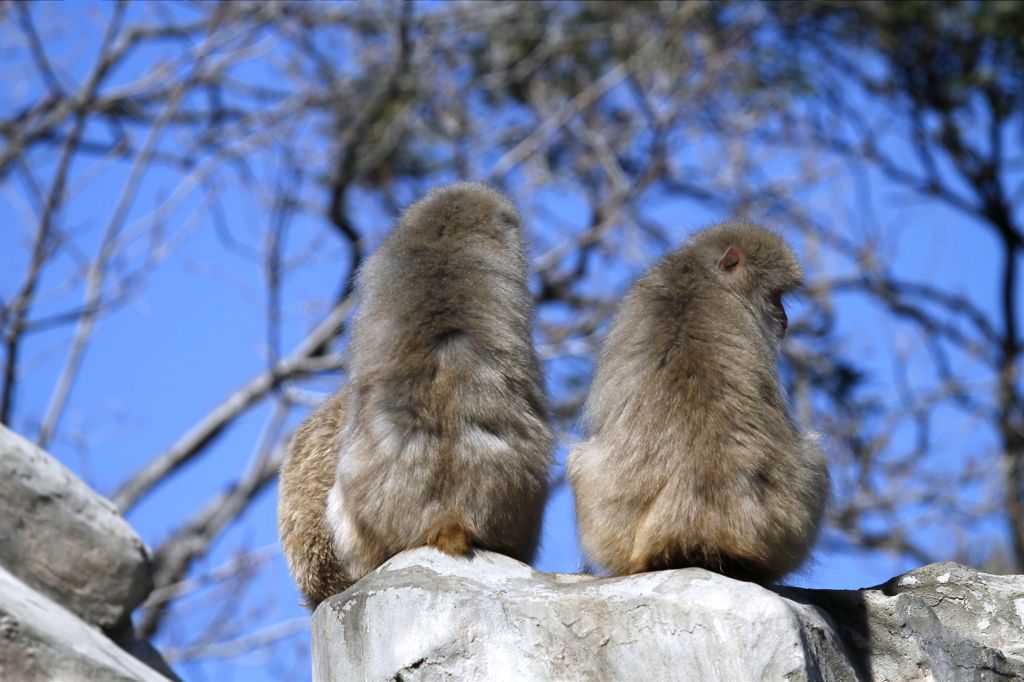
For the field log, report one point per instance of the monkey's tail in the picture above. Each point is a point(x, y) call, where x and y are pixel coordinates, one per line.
point(449, 536)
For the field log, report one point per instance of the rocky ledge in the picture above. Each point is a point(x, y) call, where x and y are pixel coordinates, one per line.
point(428, 616)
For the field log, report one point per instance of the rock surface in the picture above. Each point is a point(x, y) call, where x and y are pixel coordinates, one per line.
point(428, 616)
point(41, 640)
point(940, 622)
point(65, 540)
point(71, 572)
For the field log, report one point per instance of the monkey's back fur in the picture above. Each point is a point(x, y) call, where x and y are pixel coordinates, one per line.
point(445, 439)
point(693, 459)
point(306, 478)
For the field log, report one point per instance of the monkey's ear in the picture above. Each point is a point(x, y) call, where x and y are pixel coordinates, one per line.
point(732, 260)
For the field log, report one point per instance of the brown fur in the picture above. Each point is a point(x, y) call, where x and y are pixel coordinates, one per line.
point(693, 459)
point(450, 537)
point(444, 439)
point(306, 477)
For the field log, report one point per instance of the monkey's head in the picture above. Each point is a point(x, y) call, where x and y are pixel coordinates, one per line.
point(754, 263)
point(465, 210)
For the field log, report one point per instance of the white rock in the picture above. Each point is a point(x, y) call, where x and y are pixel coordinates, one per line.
point(428, 616)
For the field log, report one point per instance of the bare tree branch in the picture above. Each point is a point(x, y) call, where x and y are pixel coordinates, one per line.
point(200, 435)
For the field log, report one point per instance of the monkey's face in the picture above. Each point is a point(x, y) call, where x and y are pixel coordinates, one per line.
point(779, 313)
point(747, 281)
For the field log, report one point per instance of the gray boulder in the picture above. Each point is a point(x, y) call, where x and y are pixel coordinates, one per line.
point(65, 540)
point(43, 641)
point(940, 622)
point(427, 616)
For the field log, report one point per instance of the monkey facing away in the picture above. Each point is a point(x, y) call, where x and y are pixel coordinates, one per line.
point(693, 459)
point(440, 436)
